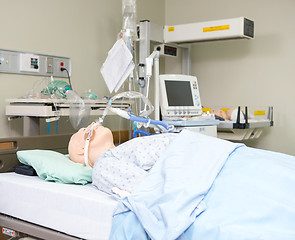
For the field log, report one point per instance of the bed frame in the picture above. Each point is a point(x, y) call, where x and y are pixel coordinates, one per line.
point(30, 229)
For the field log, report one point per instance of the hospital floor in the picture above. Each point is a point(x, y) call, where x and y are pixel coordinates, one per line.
point(2, 237)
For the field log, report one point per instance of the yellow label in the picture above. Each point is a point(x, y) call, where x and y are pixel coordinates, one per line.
point(224, 109)
point(216, 28)
point(256, 113)
point(171, 29)
point(205, 110)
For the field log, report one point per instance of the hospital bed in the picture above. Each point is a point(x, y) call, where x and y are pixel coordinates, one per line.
point(251, 196)
point(54, 211)
point(49, 210)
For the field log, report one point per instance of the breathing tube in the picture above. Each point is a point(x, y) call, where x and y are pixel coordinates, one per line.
point(149, 122)
point(142, 119)
point(149, 108)
point(120, 112)
point(89, 135)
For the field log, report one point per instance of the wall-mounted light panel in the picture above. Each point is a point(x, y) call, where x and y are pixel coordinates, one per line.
point(233, 28)
point(34, 64)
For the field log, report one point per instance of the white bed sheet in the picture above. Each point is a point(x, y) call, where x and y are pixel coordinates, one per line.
point(81, 211)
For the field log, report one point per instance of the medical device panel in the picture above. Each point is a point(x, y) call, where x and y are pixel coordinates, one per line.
point(27, 63)
point(167, 50)
point(233, 28)
point(179, 95)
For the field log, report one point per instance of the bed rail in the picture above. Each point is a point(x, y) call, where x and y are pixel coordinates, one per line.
point(33, 229)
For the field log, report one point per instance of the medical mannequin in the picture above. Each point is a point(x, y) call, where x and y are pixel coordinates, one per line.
point(230, 114)
point(221, 113)
point(117, 169)
point(101, 141)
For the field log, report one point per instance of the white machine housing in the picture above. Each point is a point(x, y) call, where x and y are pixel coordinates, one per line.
point(233, 28)
point(179, 95)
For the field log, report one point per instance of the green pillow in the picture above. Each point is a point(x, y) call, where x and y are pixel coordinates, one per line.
point(54, 166)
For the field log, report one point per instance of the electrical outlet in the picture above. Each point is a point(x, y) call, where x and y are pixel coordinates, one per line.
point(49, 65)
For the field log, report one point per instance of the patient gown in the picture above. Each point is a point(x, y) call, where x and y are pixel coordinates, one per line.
point(127, 164)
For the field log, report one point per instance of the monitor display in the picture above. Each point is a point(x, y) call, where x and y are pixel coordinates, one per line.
point(179, 93)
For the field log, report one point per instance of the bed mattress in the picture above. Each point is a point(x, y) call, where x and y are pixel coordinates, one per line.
point(76, 210)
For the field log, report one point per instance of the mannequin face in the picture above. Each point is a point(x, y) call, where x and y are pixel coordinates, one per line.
point(101, 140)
point(225, 115)
point(220, 113)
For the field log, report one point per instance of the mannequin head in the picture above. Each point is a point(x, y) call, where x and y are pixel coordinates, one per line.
point(101, 140)
point(229, 114)
point(221, 113)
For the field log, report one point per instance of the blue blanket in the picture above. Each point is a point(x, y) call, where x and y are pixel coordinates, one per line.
point(170, 198)
point(252, 196)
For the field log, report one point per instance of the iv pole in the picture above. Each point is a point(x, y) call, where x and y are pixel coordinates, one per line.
point(153, 59)
point(151, 32)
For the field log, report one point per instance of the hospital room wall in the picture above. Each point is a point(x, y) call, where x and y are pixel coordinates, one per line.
point(258, 72)
point(81, 30)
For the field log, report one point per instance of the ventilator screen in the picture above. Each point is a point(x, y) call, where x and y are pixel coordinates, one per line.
point(179, 93)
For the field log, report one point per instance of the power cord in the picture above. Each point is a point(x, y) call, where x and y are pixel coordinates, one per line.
point(64, 69)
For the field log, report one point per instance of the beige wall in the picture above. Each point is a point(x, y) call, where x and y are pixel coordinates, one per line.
point(83, 30)
point(239, 72)
point(258, 72)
